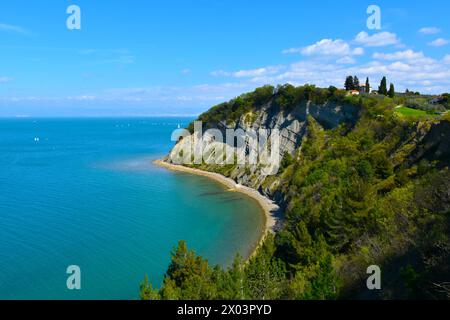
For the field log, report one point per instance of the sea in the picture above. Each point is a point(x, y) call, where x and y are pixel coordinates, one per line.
point(84, 192)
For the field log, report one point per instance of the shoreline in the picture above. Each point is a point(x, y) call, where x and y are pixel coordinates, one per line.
point(268, 207)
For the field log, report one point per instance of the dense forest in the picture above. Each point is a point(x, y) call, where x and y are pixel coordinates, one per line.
point(376, 192)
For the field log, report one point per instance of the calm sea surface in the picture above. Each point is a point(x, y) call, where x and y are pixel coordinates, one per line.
point(84, 192)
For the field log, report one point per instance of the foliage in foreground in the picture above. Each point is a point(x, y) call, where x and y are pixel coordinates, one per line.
point(263, 277)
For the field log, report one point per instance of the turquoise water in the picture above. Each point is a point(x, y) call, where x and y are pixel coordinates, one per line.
point(87, 194)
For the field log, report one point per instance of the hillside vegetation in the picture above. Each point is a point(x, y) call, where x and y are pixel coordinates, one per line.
point(374, 191)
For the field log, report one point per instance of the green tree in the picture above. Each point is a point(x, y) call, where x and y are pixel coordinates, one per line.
point(325, 284)
point(349, 84)
point(189, 276)
point(367, 85)
point(391, 92)
point(235, 280)
point(147, 292)
point(263, 94)
point(365, 170)
point(264, 274)
point(356, 84)
point(382, 89)
point(286, 161)
point(381, 164)
point(183, 264)
point(332, 90)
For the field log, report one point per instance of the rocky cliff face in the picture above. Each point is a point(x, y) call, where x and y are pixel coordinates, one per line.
point(292, 125)
point(434, 145)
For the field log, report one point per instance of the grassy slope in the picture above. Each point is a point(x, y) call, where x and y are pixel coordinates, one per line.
point(409, 112)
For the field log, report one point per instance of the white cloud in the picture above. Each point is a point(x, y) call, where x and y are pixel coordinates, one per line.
point(377, 40)
point(406, 69)
point(202, 93)
point(400, 66)
point(251, 73)
point(185, 71)
point(358, 51)
point(220, 73)
point(247, 73)
point(346, 60)
point(399, 55)
point(329, 47)
point(5, 79)
point(407, 55)
point(292, 50)
point(439, 42)
point(12, 28)
point(83, 98)
point(257, 72)
point(430, 30)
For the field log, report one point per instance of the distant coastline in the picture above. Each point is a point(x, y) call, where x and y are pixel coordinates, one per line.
point(267, 206)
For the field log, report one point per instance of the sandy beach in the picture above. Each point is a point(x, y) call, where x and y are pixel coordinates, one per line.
point(268, 207)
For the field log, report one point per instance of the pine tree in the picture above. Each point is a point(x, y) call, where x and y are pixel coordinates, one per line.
point(183, 265)
point(356, 83)
point(349, 85)
point(382, 89)
point(236, 279)
point(367, 85)
point(147, 292)
point(391, 92)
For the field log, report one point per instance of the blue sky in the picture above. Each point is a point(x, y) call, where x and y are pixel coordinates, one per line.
point(181, 57)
